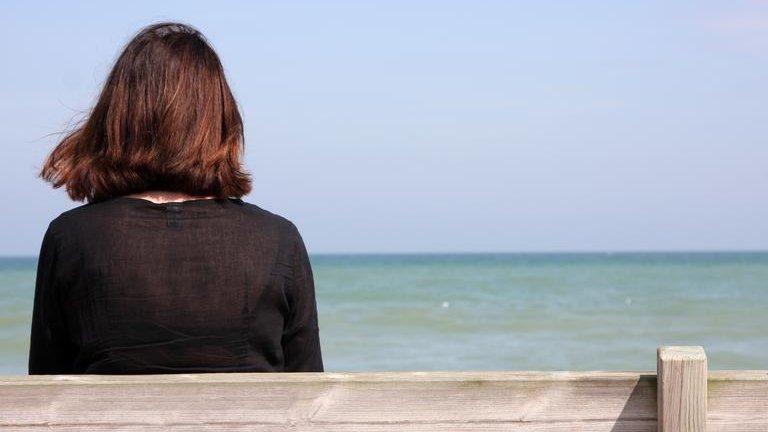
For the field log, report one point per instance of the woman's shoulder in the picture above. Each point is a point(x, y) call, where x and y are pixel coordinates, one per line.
point(76, 216)
point(87, 214)
point(92, 215)
point(269, 218)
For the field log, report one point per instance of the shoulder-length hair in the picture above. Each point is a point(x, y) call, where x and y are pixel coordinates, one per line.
point(166, 119)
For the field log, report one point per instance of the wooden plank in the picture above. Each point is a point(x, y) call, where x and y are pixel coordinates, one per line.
point(738, 401)
point(435, 401)
point(682, 389)
point(450, 401)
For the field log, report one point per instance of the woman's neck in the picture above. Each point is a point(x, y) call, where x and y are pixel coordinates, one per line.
point(160, 197)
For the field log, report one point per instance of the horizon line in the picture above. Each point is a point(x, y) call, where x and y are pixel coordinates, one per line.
point(522, 252)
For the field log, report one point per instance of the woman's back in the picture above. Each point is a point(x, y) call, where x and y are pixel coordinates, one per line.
point(127, 285)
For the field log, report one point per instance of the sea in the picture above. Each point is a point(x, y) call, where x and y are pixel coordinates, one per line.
point(505, 311)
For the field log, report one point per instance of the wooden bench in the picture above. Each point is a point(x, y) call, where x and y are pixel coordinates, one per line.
point(686, 397)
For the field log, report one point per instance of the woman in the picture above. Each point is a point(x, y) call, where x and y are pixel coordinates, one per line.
point(166, 269)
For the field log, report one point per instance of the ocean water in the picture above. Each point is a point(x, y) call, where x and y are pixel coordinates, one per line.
point(505, 311)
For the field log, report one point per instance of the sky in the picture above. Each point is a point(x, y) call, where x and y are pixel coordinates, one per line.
point(440, 126)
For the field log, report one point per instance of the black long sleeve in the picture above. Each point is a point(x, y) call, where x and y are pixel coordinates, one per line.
point(50, 351)
point(128, 286)
point(301, 341)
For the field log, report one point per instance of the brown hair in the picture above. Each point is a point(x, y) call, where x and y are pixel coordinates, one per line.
point(165, 120)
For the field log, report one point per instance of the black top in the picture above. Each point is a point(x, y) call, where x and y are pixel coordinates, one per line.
point(128, 286)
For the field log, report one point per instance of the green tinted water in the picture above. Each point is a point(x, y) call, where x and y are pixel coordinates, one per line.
point(506, 311)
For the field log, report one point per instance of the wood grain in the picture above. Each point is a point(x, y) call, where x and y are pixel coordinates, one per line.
point(682, 389)
point(409, 401)
point(738, 401)
point(486, 401)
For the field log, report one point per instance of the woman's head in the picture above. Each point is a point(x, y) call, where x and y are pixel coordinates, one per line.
point(165, 120)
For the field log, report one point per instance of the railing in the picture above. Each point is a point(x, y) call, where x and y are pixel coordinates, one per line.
point(684, 398)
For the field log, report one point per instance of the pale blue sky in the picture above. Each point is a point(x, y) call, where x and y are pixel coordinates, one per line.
point(383, 126)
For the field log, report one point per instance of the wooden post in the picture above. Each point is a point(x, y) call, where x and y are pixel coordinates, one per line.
point(682, 389)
